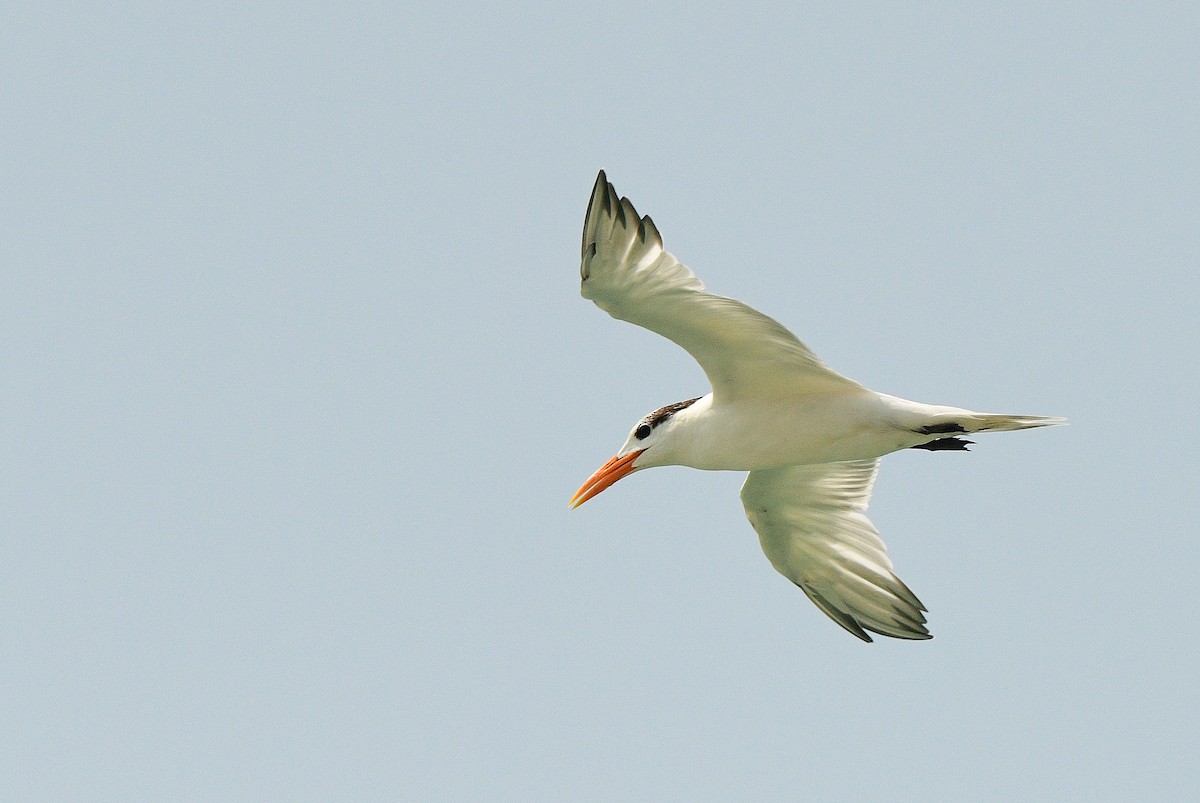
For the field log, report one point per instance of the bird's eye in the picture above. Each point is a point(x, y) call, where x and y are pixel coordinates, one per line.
point(642, 432)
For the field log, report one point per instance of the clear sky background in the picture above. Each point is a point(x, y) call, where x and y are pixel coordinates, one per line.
point(297, 383)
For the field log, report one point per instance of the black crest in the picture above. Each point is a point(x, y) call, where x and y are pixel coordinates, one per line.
point(663, 413)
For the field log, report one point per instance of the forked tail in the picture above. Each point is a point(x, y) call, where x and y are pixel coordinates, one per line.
point(938, 428)
point(943, 431)
point(990, 422)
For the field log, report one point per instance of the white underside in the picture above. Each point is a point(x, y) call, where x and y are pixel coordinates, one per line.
point(824, 427)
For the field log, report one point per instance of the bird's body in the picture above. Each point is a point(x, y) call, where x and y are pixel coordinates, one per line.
point(824, 427)
point(810, 438)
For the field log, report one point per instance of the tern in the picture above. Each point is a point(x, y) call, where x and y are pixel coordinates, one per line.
point(809, 437)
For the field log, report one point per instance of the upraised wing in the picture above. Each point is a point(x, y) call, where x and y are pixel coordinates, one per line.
point(812, 523)
point(626, 272)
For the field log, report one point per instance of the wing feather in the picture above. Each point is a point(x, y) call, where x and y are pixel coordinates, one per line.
point(627, 273)
point(812, 524)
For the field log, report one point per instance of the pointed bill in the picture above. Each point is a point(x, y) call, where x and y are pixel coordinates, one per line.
point(606, 475)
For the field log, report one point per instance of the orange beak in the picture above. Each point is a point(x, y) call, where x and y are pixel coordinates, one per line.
point(605, 476)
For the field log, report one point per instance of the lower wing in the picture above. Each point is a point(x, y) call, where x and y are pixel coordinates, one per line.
point(813, 527)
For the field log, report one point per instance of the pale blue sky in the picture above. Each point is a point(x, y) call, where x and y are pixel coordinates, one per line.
point(298, 383)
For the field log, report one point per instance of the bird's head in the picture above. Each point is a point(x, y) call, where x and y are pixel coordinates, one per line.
point(649, 432)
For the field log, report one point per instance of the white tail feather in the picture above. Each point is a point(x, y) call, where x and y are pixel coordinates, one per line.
point(991, 422)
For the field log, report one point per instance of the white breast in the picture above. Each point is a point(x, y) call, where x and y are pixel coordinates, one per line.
point(750, 434)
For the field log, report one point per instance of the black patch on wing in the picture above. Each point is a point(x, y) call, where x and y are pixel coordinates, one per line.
point(945, 445)
point(942, 429)
point(663, 413)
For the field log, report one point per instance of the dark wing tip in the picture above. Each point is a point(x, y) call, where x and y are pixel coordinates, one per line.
point(906, 627)
point(907, 631)
point(651, 231)
point(848, 623)
point(606, 211)
point(611, 201)
point(648, 232)
point(601, 200)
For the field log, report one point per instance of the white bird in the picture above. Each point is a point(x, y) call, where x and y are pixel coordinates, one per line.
point(810, 438)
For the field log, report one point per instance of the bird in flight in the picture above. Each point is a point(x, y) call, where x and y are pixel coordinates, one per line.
point(810, 438)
